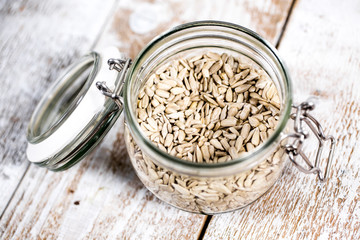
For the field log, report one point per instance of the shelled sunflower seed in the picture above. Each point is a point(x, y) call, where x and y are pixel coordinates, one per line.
point(208, 108)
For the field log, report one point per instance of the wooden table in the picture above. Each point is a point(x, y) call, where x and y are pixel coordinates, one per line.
point(101, 197)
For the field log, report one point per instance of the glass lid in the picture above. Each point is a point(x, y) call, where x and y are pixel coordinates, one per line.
point(73, 115)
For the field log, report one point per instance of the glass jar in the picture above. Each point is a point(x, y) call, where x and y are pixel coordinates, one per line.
point(73, 117)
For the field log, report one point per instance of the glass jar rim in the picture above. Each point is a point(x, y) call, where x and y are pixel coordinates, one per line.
point(136, 129)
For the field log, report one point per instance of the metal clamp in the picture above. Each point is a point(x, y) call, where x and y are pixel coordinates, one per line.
point(294, 149)
point(121, 66)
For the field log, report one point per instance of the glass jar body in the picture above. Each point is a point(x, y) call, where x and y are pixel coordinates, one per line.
point(206, 188)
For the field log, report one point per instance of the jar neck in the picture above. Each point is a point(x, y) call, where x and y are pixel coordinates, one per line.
point(199, 37)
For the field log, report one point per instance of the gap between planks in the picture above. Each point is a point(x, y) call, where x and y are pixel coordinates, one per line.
point(15, 190)
point(283, 29)
point(108, 18)
point(205, 226)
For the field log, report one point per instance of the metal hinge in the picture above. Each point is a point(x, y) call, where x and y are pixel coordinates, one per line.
point(121, 66)
point(294, 149)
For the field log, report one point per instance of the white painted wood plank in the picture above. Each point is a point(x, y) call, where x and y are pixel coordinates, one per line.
point(138, 21)
point(99, 198)
point(321, 47)
point(37, 40)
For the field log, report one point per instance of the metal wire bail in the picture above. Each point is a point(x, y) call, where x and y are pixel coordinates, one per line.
point(294, 149)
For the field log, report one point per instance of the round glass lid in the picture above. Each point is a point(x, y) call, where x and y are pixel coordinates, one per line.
point(73, 115)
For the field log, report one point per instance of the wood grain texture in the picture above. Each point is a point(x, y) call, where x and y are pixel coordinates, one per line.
point(321, 47)
point(101, 198)
point(137, 22)
point(37, 40)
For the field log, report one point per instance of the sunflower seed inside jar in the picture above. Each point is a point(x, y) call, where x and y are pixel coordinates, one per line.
point(210, 108)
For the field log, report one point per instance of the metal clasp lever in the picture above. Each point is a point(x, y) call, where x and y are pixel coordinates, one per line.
point(121, 66)
point(294, 149)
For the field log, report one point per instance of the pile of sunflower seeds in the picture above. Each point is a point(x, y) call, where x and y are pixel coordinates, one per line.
point(208, 108)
